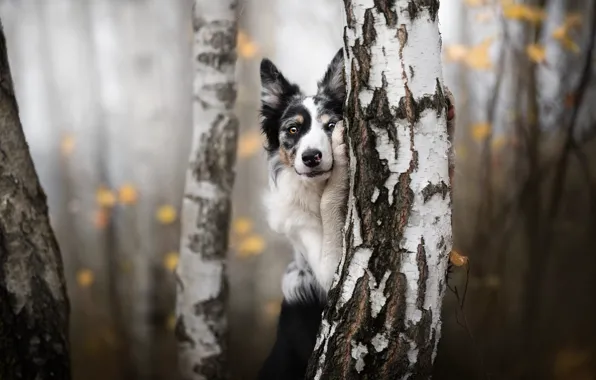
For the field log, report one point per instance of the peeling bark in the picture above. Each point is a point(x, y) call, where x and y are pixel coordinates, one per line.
point(382, 320)
point(34, 306)
point(201, 327)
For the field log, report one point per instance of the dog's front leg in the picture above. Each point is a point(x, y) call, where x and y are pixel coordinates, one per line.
point(333, 209)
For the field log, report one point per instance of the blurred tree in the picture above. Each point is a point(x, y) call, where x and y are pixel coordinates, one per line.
point(34, 305)
point(382, 320)
point(201, 327)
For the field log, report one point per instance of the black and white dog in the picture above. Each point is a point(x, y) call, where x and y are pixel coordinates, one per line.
point(306, 202)
point(308, 169)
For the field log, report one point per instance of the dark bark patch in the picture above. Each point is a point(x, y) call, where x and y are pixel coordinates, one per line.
point(433, 189)
point(387, 9)
point(349, 15)
point(369, 34)
point(181, 334)
point(416, 7)
point(218, 61)
point(424, 338)
point(422, 274)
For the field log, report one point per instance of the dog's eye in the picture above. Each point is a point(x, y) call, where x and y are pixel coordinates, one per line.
point(292, 130)
point(330, 126)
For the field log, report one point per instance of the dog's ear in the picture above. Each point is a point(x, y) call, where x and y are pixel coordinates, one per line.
point(333, 84)
point(276, 93)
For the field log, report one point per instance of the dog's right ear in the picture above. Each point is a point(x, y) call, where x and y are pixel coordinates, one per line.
point(276, 93)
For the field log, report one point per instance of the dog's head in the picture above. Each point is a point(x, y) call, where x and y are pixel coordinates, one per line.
point(298, 127)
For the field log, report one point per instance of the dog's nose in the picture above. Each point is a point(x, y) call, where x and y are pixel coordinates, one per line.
point(312, 157)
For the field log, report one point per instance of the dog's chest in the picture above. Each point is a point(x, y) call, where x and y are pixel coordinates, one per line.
point(293, 204)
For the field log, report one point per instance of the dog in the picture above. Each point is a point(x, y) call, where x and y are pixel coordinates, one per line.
point(306, 202)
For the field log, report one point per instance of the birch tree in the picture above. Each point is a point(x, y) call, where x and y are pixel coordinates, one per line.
point(33, 302)
point(382, 320)
point(201, 327)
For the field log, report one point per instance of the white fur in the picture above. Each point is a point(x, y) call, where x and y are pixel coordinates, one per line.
point(309, 212)
point(315, 138)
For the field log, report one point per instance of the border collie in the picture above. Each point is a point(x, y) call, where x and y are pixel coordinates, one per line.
point(306, 202)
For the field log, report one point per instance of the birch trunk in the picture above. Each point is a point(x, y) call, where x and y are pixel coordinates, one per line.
point(382, 320)
point(33, 302)
point(201, 327)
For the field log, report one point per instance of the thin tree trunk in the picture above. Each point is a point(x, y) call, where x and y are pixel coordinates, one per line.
point(33, 301)
point(201, 327)
point(382, 320)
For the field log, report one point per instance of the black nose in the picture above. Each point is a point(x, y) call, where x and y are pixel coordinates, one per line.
point(312, 157)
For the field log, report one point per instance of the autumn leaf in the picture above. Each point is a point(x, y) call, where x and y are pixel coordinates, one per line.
point(166, 214)
point(498, 143)
point(522, 12)
point(127, 194)
point(171, 322)
point(67, 145)
point(570, 100)
point(105, 197)
point(562, 32)
point(475, 3)
point(170, 261)
point(253, 245)
point(101, 218)
point(246, 47)
point(536, 52)
point(573, 363)
point(249, 143)
point(478, 57)
point(272, 309)
point(461, 152)
point(456, 52)
point(480, 131)
point(457, 259)
point(241, 226)
point(85, 278)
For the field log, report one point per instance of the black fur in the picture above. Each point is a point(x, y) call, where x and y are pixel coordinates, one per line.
point(283, 91)
point(331, 92)
point(296, 336)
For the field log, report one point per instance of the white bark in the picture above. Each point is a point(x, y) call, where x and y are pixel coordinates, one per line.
point(383, 317)
point(201, 327)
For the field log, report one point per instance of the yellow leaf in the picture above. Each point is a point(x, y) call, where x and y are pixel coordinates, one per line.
point(572, 363)
point(85, 278)
point(170, 261)
point(474, 3)
point(483, 17)
point(456, 52)
point(242, 226)
point(253, 245)
point(480, 131)
point(246, 47)
point(457, 259)
point(101, 218)
point(498, 143)
point(461, 152)
point(67, 145)
point(166, 214)
point(478, 58)
point(171, 322)
point(249, 143)
point(536, 52)
point(127, 194)
point(272, 309)
point(523, 12)
point(105, 197)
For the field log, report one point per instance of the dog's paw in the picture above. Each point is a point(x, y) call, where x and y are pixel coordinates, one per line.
point(340, 149)
point(450, 104)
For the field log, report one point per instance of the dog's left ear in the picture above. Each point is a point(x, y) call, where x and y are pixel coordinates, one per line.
point(333, 84)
